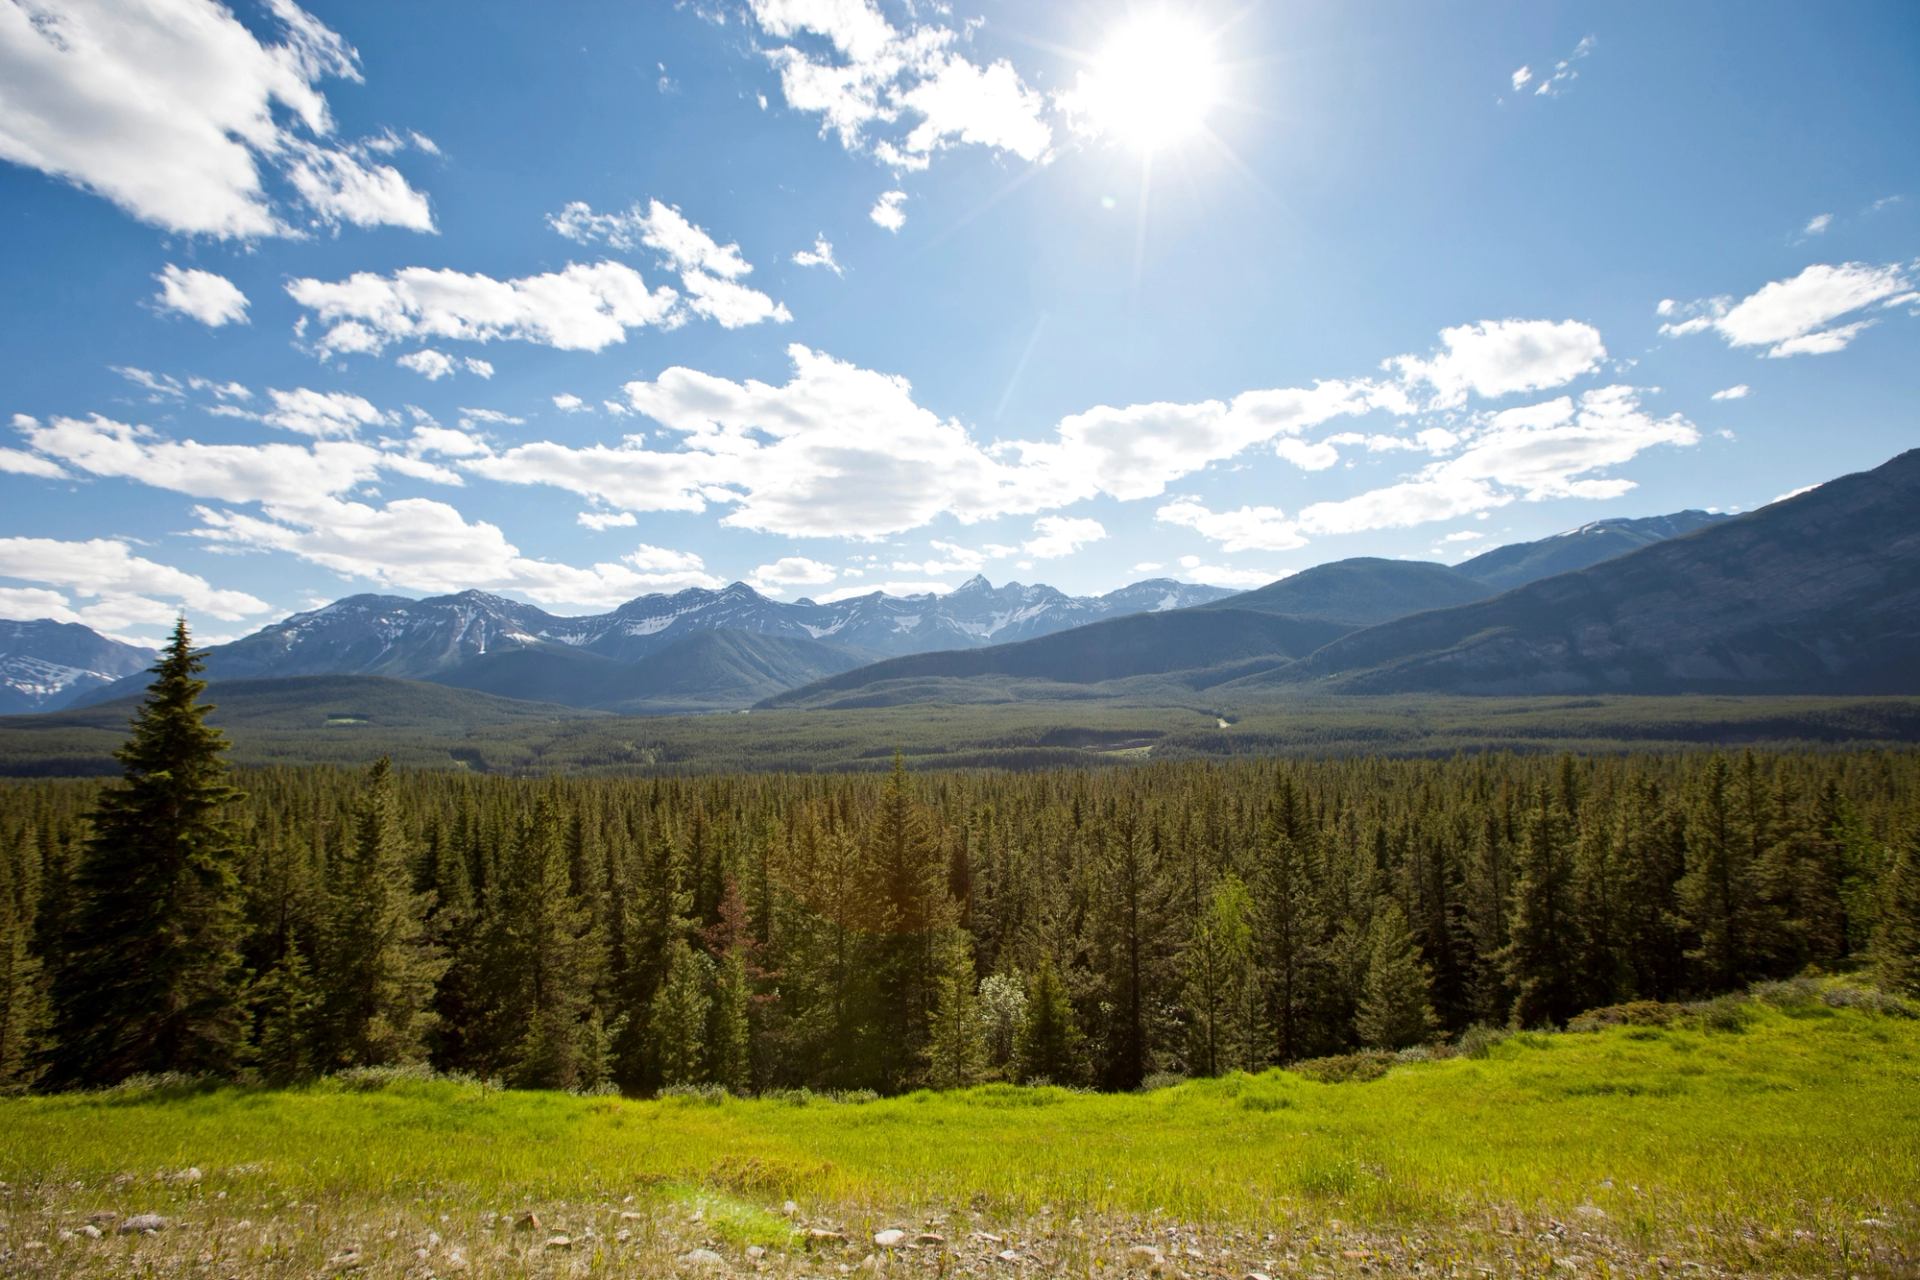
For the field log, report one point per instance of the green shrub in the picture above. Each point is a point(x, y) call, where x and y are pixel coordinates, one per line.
point(1345, 1068)
point(1477, 1041)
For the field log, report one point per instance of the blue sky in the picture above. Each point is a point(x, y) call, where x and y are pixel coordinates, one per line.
point(580, 302)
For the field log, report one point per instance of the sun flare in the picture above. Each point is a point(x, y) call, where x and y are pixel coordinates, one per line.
point(1154, 81)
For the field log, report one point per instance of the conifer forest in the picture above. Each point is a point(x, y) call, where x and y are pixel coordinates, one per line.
point(897, 931)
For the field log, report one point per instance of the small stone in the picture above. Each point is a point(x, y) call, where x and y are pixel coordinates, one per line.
point(929, 1237)
point(528, 1221)
point(1258, 1275)
point(559, 1242)
point(1144, 1253)
point(142, 1222)
point(1878, 1224)
point(456, 1260)
point(91, 1232)
point(790, 1208)
point(756, 1251)
point(630, 1216)
point(889, 1238)
point(820, 1235)
point(702, 1258)
point(1007, 1255)
point(189, 1175)
point(64, 1235)
point(346, 1260)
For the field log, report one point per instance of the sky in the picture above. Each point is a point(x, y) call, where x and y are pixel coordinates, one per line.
point(579, 302)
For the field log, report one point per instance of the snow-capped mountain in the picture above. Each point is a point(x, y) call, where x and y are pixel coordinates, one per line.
point(46, 664)
point(424, 639)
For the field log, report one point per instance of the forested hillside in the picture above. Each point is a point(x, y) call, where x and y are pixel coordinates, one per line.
point(1093, 927)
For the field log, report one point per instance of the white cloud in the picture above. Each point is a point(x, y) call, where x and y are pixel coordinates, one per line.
point(710, 272)
point(107, 569)
point(162, 386)
point(888, 210)
point(902, 94)
point(423, 545)
point(791, 571)
point(1796, 316)
point(211, 299)
point(821, 255)
point(321, 413)
point(1535, 452)
point(1556, 81)
point(172, 108)
point(1500, 357)
point(1737, 392)
point(1055, 536)
point(579, 308)
point(567, 402)
point(1148, 566)
point(228, 472)
point(435, 365)
point(1817, 224)
point(1247, 529)
point(601, 521)
point(19, 462)
point(1194, 569)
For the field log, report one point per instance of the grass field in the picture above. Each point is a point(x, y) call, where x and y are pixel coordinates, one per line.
point(1789, 1144)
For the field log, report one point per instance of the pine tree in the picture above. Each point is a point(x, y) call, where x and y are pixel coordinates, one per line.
point(1135, 942)
point(1049, 1045)
point(1395, 1007)
point(1285, 886)
point(956, 1052)
point(679, 1020)
point(909, 877)
point(1219, 965)
point(1896, 933)
point(1718, 895)
point(730, 1033)
point(381, 966)
point(150, 978)
point(1543, 943)
point(23, 1011)
point(285, 1001)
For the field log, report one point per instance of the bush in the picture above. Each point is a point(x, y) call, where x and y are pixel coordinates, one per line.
point(1477, 1041)
point(1161, 1080)
point(1723, 1013)
point(1789, 993)
point(1635, 1013)
point(1345, 1068)
point(1842, 996)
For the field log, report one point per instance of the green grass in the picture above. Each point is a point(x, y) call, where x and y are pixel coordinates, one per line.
point(1766, 1146)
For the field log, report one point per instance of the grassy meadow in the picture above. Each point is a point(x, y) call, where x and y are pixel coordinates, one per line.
point(1772, 1135)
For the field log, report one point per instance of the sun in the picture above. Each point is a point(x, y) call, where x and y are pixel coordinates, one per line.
point(1153, 82)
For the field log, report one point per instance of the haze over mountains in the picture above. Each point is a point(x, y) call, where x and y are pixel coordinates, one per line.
point(1817, 593)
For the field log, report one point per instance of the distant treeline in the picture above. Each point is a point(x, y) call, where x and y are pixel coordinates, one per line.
point(884, 932)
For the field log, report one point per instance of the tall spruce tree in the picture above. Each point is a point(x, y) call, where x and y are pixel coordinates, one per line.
point(1395, 1006)
point(1049, 1045)
point(680, 1016)
point(381, 965)
point(150, 977)
point(1896, 933)
point(956, 1050)
point(1543, 942)
point(23, 997)
point(1219, 965)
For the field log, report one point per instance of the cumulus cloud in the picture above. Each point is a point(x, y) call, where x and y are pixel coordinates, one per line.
point(176, 112)
point(579, 308)
point(601, 521)
point(419, 544)
point(1055, 536)
point(889, 210)
point(900, 94)
point(434, 365)
point(1556, 449)
point(1797, 316)
point(1500, 357)
point(1737, 392)
point(129, 588)
point(710, 272)
point(791, 571)
point(211, 299)
point(567, 402)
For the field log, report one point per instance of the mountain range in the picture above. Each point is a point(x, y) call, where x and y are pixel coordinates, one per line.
point(1817, 593)
point(45, 665)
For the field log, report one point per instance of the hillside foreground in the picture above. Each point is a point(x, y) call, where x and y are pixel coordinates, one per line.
point(1778, 1133)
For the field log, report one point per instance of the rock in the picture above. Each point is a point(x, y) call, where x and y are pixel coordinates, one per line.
point(63, 1235)
point(791, 1209)
point(929, 1237)
point(91, 1232)
point(1007, 1255)
point(820, 1235)
point(142, 1222)
point(631, 1216)
point(456, 1260)
point(1258, 1275)
point(559, 1242)
point(346, 1260)
point(702, 1258)
point(528, 1221)
point(890, 1238)
point(1144, 1253)
point(188, 1175)
point(756, 1251)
